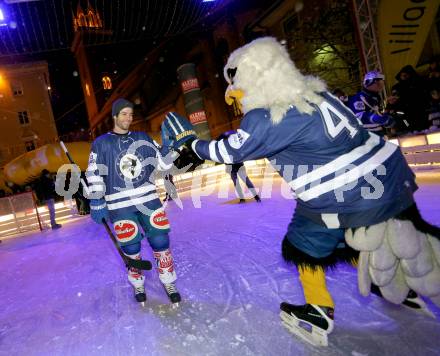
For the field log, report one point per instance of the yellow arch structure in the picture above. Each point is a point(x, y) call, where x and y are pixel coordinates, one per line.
point(403, 27)
point(28, 166)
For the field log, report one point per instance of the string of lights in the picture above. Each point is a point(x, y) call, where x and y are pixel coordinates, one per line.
point(26, 33)
point(52, 34)
point(42, 34)
point(30, 27)
point(19, 35)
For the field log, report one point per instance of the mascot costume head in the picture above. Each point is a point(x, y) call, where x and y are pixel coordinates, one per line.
point(262, 75)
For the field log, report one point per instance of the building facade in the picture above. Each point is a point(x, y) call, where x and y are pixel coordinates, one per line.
point(26, 117)
point(321, 36)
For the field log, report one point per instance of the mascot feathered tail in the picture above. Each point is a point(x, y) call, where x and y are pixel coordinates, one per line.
point(398, 256)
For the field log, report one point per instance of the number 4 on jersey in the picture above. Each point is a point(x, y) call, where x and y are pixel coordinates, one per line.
point(330, 114)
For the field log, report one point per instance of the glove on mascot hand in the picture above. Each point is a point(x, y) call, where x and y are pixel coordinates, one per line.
point(98, 210)
point(188, 157)
point(176, 131)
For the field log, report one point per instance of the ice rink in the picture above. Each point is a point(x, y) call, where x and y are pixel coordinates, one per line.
point(65, 292)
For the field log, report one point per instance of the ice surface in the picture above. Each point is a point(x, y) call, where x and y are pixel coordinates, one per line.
point(65, 292)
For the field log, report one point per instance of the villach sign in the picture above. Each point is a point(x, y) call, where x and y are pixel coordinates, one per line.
point(403, 27)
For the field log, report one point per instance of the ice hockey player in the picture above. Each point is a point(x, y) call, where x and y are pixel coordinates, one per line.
point(120, 174)
point(367, 104)
point(354, 190)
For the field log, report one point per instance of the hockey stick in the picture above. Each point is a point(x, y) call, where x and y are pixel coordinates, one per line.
point(129, 262)
point(376, 111)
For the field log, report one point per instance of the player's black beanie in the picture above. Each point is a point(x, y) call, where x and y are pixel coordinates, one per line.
point(120, 104)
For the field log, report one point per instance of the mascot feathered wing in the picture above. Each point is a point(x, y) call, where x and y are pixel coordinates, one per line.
point(396, 256)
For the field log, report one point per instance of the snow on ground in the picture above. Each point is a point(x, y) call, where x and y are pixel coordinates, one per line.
point(65, 292)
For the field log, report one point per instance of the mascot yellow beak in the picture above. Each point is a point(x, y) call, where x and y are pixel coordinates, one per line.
point(234, 95)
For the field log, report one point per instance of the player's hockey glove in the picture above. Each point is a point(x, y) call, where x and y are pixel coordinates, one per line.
point(385, 120)
point(98, 210)
point(167, 140)
point(176, 130)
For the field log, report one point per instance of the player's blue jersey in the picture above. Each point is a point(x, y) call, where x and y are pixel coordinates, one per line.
point(365, 104)
point(121, 171)
point(342, 175)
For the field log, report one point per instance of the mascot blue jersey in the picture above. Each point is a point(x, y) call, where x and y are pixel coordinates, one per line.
point(341, 174)
point(121, 171)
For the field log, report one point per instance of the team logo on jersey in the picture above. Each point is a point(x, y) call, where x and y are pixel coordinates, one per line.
point(159, 219)
point(238, 139)
point(359, 105)
point(92, 158)
point(126, 230)
point(130, 166)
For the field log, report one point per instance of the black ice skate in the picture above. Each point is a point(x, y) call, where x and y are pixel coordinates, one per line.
point(412, 301)
point(137, 281)
point(139, 294)
point(310, 322)
point(172, 293)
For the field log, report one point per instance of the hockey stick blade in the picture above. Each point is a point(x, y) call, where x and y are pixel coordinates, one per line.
point(129, 262)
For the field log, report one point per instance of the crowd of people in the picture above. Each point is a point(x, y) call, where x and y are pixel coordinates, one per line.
point(413, 105)
point(43, 188)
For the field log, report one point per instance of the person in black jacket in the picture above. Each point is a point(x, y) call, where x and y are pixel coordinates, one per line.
point(46, 193)
point(236, 170)
point(412, 93)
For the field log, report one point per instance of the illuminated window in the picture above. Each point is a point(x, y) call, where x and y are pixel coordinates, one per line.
point(30, 145)
point(90, 20)
point(81, 20)
point(17, 89)
point(94, 21)
point(106, 82)
point(23, 117)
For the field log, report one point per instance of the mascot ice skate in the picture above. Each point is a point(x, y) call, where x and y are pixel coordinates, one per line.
point(354, 190)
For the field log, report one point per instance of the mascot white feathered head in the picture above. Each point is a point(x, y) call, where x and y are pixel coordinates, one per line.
point(265, 76)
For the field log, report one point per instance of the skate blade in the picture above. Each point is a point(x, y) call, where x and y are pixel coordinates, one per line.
point(426, 311)
point(143, 304)
point(315, 337)
point(423, 308)
point(175, 305)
